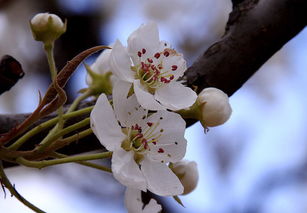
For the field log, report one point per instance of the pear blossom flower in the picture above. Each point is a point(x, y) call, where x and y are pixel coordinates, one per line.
point(134, 204)
point(187, 173)
point(214, 106)
point(142, 144)
point(152, 67)
point(47, 27)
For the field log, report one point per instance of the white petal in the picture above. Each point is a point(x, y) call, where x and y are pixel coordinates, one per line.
point(172, 60)
point(101, 65)
point(126, 171)
point(160, 179)
point(120, 62)
point(104, 124)
point(175, 96)
point(134, 204)
point(120, 93)
point(171, 145)
point(152, 207)
point(145, 37)
point(146, 99)
point(133, 200)
point(127, 110)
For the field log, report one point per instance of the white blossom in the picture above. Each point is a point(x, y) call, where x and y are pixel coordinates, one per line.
point(187, 173)
point(47, 27)
point(152, 67)
point(142, 144)
point(134, 204)
point(215, 107)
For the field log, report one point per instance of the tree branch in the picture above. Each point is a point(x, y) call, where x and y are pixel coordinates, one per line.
point(256, 29)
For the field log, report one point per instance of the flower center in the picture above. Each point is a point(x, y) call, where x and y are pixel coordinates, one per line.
point(138, 139)
point(151, 71)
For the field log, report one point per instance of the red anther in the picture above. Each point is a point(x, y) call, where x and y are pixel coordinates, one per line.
point(139, 54)
point(174, 67)
point(149, 60)
point(160, 66)
point(149, 124)
point(171, 77)
point(162, 79)
point(143, 51)
point(145, 143)
point(154, 142)
point(139, 135)
point(166, 53)
point(161, 150)
point(157, 55)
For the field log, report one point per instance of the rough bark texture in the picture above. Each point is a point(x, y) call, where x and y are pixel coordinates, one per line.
point(256, 29)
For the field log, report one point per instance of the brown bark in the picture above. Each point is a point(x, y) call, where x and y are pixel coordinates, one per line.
point(256, 29)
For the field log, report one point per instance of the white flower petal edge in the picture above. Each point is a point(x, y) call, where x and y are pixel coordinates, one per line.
point(120, 62)
point(145, 37)
point(105, 125)
point(126, 171)
point(160, 178)
point(134, 204)
point(175, 96)
point(146, 99)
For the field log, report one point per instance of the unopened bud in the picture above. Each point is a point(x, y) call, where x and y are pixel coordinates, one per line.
point(187, 173)
point(214, 106)
point(47, 27)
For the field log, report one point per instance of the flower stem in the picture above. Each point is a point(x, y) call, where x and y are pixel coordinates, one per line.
point(5, 181)
point(76, 102)
point(77, 158)
point(64, 142)
point(50, 138)
point(46, 125)
point(53, 71)
point(92, 165)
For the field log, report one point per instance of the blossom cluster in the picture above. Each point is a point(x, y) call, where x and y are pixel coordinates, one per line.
point(142, 124)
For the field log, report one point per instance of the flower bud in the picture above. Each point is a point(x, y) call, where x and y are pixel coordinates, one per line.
point(214, 106)
point(47, 27)
point(187, 173)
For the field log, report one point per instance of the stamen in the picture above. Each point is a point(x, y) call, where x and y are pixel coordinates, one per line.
point(161, 150)
point(174, 67)
point(139, 54)
point(157, 55)
point(143, 51)
point(166, 53)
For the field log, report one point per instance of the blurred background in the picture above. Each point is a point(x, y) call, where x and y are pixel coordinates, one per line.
point(255, 163)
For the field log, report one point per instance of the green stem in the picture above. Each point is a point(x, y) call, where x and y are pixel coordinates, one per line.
point(46, 125)
point(5, 181)
point(77, 136)
point(50, 57)
point(92, 165)
point(77, 158)
point(191, 112)
point(50, 138)
point(64, 142)
point(76, 102)
point(53, 71)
